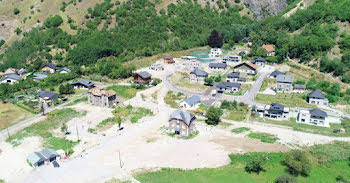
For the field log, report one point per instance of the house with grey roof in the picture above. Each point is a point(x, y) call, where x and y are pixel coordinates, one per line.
point(218, 66)
point(64, 70)
point(273, 111)
point(198, 76)
point(37, 159)
point(49, 68)
point(48, 96)
point(316, 97)
point(313, 117)
point(10, 78)
point(142, 77)
point(182, 123)
point(275, 73)
point(259, 62)
point(235, 77)
point(191, 102)
point(83, 84)
point(231, 60)
point(299, 88)
point(284, 83)
point(228, 87)
point(39, 76)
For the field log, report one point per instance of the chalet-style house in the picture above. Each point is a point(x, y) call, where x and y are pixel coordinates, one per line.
point(284, 83)
point(168, 60)
point(156, 67)
point(101, 97)
point(299, 88)
point(191, 102)
point(37, 159)
point(259, 62)
point(273, 111)
point(142, 77)
point(316, 97)
point(275, 73)
point(10, 78)
point(218, 66)
point(215, 52)
point(314, 117)
point(270, 49)
point(235, 77)
point(228, 87)
point(48, 96)
point(49, 68)
point(198, 76)
point(64, 70)
point(246, 68)
point(182, 123)
point(83, 84)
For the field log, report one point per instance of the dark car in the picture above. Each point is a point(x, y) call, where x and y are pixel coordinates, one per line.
point(55, 164)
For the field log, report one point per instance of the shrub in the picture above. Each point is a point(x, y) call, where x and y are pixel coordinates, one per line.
point(298, 162)
point(255, 163)
point(285, 179)
point(16, 11)
point(213, 115)
point(53, 21)
point(237, 1)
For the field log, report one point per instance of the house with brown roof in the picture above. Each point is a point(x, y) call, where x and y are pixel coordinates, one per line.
point(102, 97)
point(49, 68)
point(168, 60)
point(10, 71)
point(247, 68)
point(270, 49)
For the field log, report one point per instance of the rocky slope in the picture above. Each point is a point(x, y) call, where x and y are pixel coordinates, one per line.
point(264, 8)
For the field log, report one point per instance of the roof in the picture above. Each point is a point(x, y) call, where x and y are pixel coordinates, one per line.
point(260, 59)
point(251, 65)
point(276, 73)
point(99, 92)
point(284, 78)
point(51, 65)
point(316, 94)
point(277, 107)
point(40, 76)
point(22, 71)
point(318, 113)
point(233, 75)
point(168, 57)
point(47, 94)
point(144, 74)
point(183, 116)
point(228, 85)
point(218, 65)
point(84, 82)
point(64, 69)
point(11, 76)
point(199, 72)
point(242, 79)
point(193, 100)
point(299, 86)
point(10, 71)
point(49, 153)
point(35, 157)
point(268, 47)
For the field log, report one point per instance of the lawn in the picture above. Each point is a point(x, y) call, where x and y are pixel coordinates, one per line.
point(126, 92)
point(181, 80)
point(171, 99)
point(268, 82)
point(10, 114)
point(289, 100)
point(240, 130)
point(264, 137)
point(234, 172)
point(55, 119)
point(236, 114)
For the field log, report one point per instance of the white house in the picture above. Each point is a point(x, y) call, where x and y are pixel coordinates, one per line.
point(228, 87)
point(232, 60)
point(259, 62)
point(156, 67)
point(316, 97)
point(235, 77)
point(273, 111)
point(190, 103)
point(193, 64)
point(313, 117)
point(198, 76)
point(10, 78)
point(218, 66)
point(215, 52)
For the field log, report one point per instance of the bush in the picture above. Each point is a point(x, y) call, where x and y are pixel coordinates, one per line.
point(16, 11)
point(285, 179)
point(213, 115)
point(54, 21)
point(255, 163)
point(298, 162)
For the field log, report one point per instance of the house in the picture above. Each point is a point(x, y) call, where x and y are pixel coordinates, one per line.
point(232, 59)
point(189, 58)
point(39, 76)
point(10, 78)
point(215, 52)
point(259, 62)
point(142, 77)
point(298, 88)
point(275, 73)
point(235, 77)
point(83, 84)
point(198, 76)
point(193, 64)
point(270, 49)
point(314, 117)
point(316, 97)
point(217, 66)
point(168, 60)
point(284, 83)
point(22, 72)
point(49, 68)
point(64, 70)
point(49, 154)
point(101, 97)
point(228, 87)
point(182, 123)
point(48, 96)
point(156, 67)
point(10, 71)
point(190, 103)
point(245, 40)
point(246, 68)
point(273, 111)
point(37, 159)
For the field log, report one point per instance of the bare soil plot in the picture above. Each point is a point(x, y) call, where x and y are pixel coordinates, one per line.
point(11, 114)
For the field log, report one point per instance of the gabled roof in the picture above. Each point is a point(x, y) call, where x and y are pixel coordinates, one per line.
point(40, 76)
point(10, 71)
point(269, 48)
point(277, 107)
point(11, 76)
point(22, 71)
point(193, 100)
point(318, 113)
point(276, 73)
point(199, 72)
point(233, 75)
point(168, 57)
point(299, 86)
point(64, 69)
point(284, 78)
point(228, 85)
point(218, 65)
point(316, 94)
point(84, 82)
point(144, 74)
point(48, 94)
point(49, 153)
point(51, 65)
point(242, 79)
point(251, 65)
point(183, 116)
point(260, 59)
point(99, 92)
point(35, 157)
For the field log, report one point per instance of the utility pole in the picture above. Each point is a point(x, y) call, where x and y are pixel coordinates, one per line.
point(8, 133)
point(67, 148)
point(77, 132)
point(120, 161)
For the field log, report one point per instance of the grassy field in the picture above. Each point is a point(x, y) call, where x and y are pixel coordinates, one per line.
point(238, 114)
point(264, 137)
point(126, 92)
point(181, 80)
point(289, 100)
point(10, 114)
point(240, 130)
point(234, 172)
point(268, 82)
point(55, 119)
point(171, 99)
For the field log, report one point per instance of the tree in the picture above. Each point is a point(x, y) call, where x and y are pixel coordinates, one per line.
point(16, 11)
point(66, 89)
point(208, 80)
point(218, 78)
point(255, 163)
point(53, 21)
point(213, 115)
point(285, 179)
point(2, 42)
point(298, 162)
point(215, 40)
